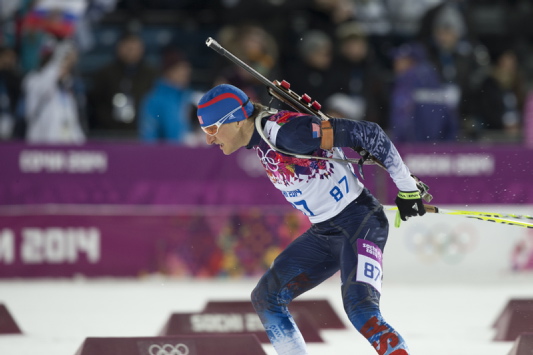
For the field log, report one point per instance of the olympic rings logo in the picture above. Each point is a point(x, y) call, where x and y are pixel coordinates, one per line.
point(168, 349)
point(270, 163)
point(442, 243)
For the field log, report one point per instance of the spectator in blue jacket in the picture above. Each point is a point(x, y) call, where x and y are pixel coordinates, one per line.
point(166, 109)
point(422, 109)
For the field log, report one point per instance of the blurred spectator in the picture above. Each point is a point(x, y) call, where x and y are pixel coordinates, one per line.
point(374, 16)
point(43, 19)
point(53, 100)
point(9, 17)
point(499, 104)
point(313, 73)
point(326, 15)
point(460, 10)
point(85, 28)
point(8, 9)
point(254, 46)
point(420, 107)
point(118, 88)
point(10, 92)
point(305, 16)
point(456, 53)
point(166, 110)
point(406, 16)
point(362, 80)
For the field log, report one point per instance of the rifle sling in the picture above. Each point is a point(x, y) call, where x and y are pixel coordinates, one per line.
point(259, 129)
point(327, 135)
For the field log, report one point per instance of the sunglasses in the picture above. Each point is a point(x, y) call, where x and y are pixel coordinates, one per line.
point(213, 129)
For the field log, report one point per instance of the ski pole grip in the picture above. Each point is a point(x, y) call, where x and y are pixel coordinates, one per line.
point(211, 43)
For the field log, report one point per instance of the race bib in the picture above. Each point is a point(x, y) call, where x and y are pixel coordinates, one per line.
point(369, 264)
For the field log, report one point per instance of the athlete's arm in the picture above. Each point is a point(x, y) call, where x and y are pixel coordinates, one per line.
point(370, 136)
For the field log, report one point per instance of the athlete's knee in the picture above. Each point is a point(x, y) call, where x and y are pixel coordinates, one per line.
point(257, 296)
point(270, 295)
point(264, 295)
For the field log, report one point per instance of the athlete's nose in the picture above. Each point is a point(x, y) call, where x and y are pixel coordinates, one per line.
point(209, 139)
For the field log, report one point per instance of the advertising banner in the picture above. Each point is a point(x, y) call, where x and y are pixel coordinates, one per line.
point(139, 174)
point(240, 242)
point(131, 243)
point(128, 209)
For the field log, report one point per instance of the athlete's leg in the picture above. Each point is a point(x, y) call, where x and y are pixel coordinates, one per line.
point(304, 264)
point(361, 302)
point(361, 290)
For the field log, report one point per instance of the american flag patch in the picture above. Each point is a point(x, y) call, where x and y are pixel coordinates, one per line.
point(316, 130)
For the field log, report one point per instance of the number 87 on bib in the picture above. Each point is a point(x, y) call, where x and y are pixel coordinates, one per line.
point(369, 264)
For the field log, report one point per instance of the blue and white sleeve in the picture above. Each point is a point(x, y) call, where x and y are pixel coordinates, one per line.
point(370, 136)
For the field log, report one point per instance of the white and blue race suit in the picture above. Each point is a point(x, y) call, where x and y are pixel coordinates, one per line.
point(348, 233)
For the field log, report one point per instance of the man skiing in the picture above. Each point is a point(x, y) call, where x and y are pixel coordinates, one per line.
point(302, 156)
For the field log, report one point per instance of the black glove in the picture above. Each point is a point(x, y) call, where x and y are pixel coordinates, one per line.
point(409, 204)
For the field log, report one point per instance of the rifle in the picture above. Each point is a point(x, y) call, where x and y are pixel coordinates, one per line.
point(304, 104)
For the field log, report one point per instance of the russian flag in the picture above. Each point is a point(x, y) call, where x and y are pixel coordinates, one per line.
point(316, 130)
point(57, 17)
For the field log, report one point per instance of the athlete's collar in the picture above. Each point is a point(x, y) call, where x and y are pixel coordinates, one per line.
point(256, 137)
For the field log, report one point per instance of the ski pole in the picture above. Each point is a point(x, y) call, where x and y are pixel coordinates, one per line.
point(501, 218)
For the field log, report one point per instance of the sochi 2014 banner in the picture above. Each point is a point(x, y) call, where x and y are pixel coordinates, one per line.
point(207, 242)
point(96, 241)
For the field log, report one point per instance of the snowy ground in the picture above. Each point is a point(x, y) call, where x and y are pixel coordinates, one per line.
point(435, 319)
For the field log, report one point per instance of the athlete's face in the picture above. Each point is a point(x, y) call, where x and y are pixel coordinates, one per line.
point(228, 137)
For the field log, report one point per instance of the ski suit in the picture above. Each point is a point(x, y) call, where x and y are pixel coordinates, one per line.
point(348, 233)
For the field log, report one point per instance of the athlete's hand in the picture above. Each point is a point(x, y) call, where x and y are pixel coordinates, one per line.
point(409, 204)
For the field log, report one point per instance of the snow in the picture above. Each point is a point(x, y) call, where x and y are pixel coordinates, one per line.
point(56, 315)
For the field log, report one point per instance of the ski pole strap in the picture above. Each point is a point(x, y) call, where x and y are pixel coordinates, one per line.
point(327, 135)
point(411, 195)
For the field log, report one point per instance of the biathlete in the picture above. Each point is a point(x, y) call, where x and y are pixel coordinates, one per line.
point(349, 227)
